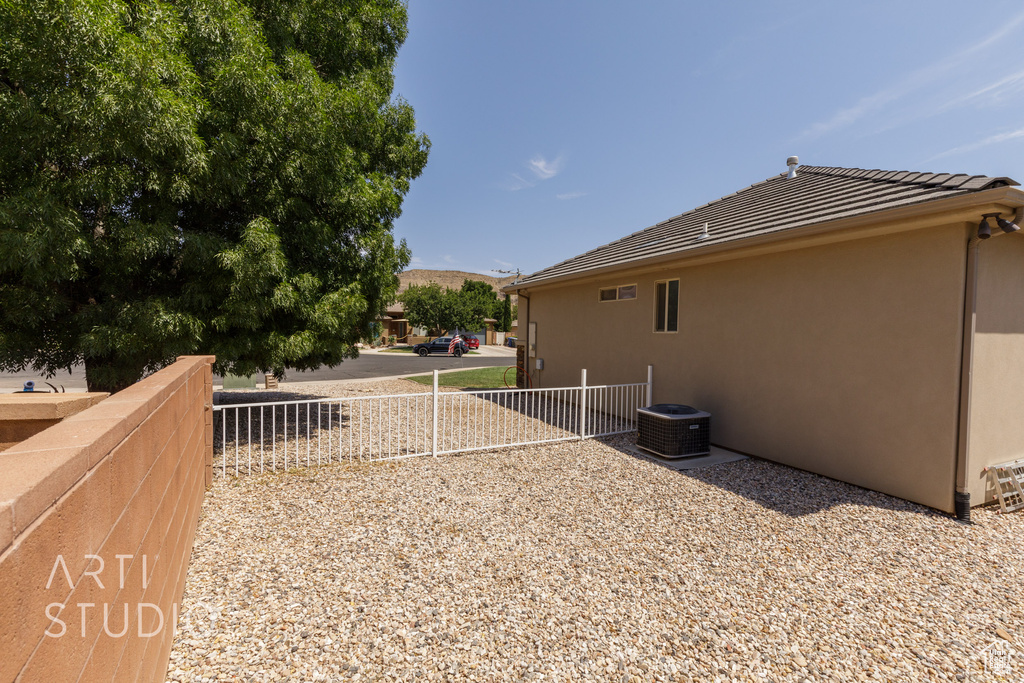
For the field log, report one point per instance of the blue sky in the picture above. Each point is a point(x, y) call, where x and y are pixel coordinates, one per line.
point(559, 126)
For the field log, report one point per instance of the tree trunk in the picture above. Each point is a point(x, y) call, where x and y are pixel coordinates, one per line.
point(106, 374)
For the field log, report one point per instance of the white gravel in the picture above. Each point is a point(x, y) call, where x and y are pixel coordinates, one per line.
point(578, 561)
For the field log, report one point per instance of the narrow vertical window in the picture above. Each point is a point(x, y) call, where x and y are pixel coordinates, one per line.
point(673, 306)
point(666, 315)
point(659, 323)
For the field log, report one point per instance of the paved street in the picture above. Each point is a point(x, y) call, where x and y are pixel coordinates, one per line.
point(370, 364)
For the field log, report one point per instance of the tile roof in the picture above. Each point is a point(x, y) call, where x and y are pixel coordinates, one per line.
point(816, 195)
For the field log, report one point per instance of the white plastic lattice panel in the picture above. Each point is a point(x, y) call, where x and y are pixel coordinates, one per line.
point(1017, 467)
point(1007, 481)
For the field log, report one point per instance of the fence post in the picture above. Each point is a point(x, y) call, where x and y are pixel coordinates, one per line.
point(583, 404)
point(433, 447)
point(650, 385)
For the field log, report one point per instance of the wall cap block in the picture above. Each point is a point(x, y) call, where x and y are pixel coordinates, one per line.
point(33, 406)
point(34, 480)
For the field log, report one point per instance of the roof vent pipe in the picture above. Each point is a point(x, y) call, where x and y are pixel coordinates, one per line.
point(792, 162)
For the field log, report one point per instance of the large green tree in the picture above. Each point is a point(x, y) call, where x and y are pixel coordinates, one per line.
point(212, 176)
point(480, 300)
point(505, 314)
point(436, 309)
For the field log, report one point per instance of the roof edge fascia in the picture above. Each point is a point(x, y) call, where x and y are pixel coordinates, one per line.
point(887, 221)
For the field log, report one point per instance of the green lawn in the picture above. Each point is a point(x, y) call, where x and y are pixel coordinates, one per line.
point(398, 349)
point(478, 378)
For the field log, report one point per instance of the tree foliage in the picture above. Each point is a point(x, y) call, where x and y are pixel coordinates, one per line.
point(505, 315)
point(198, 176)
point(480, 300)
point(440, 310)
point(434, 308)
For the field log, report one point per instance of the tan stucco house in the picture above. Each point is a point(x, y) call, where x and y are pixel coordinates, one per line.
point(866, 325)
point(394, 323)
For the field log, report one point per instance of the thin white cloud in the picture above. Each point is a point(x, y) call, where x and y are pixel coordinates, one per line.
point(995, 37)
point(850, 115)
point(991, 140)
point(415, 261)
point(570, 195)
point(992, 93)
point(516, 183)
point(911, 83)
point(544, 169)
point(448, 258)
point(999, 93)
point(502, 263)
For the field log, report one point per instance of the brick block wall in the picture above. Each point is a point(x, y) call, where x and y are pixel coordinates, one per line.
point(97, 519)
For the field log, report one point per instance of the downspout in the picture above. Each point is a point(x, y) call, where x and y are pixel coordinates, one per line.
point(961, 494)
point(526, 369)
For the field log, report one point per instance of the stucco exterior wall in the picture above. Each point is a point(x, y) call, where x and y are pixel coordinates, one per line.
point(997, 429)
point(841, 359)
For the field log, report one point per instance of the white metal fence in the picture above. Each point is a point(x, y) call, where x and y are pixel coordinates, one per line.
point(260, 437)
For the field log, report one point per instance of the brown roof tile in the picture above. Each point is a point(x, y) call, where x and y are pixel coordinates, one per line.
point(956, 180)
point(817, 195)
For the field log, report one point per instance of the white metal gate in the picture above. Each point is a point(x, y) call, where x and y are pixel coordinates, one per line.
point(260, 437)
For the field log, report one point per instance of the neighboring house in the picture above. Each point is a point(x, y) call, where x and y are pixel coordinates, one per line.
point(488, 333)
point(843, 321)
point(394, 322)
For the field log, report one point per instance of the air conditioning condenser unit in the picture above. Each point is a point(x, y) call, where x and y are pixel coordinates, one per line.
point(672, 430)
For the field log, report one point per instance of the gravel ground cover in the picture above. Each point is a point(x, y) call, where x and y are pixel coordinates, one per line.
point(578, 561)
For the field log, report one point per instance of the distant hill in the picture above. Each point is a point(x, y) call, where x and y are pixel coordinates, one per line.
point(451, 279)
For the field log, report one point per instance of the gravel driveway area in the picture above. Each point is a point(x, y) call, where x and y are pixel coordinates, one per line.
point(579, 561)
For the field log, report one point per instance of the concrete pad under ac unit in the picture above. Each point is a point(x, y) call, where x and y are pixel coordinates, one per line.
point(717, 456)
